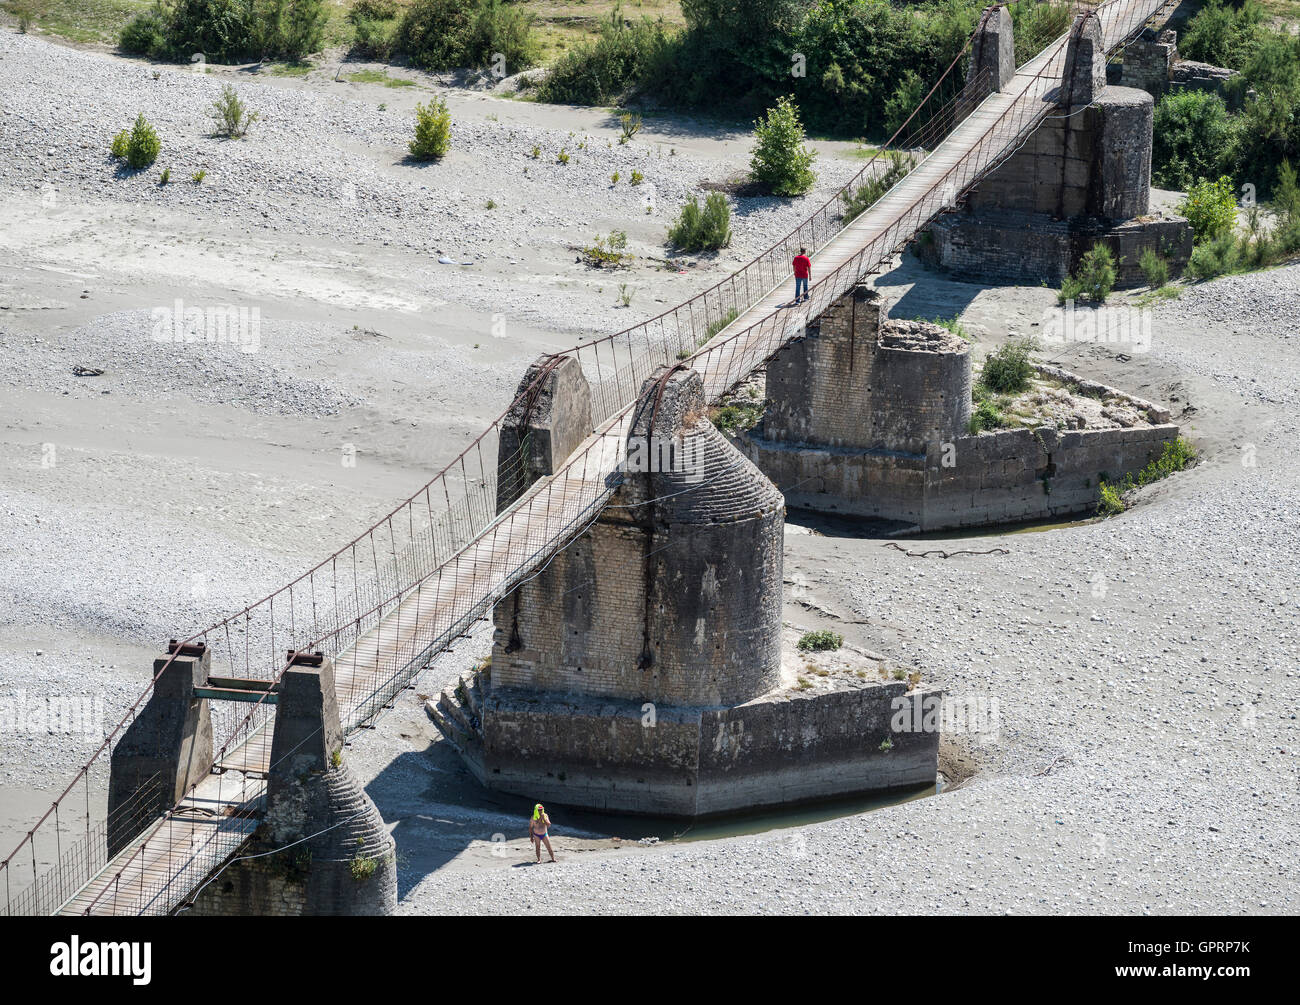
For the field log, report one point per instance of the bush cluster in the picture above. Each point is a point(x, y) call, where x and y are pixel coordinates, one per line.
point(702, 229)
point(227, 31)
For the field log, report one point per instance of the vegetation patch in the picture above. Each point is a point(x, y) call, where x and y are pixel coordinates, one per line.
point(706, 228)
point(1177, 455)
point(819, 642)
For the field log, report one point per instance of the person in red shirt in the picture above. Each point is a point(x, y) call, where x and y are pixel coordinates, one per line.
point(802, 273)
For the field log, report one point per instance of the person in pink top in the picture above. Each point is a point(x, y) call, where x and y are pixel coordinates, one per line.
point(802, 273)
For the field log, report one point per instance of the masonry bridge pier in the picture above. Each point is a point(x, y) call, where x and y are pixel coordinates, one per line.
point(627, 553)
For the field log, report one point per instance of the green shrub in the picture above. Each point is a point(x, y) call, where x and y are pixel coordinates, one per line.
point(702, 229)
point(1176, 456)
point(629, 125)
point(897, 164)
point(603, 71)
point(1215, 257)
point(446, 34)
point(608, 250)
point(375, 25)
point(141, 146)
point(986, 415)
point(1155, 268)
point(1094, 279)
point(907, 95)
point(1211, 208)
point(820, 642)
point(1009, 370)
point(1111, 502)
point(1223, 34)
point(231, 115)
point(736, 417)
point(1035, 23)
point(165, 177)
point(146, 34)
point(637, 178)
point(290, 29)
point(1193, 137)
point(780, 160)
point(224, 31)
point(432, 131)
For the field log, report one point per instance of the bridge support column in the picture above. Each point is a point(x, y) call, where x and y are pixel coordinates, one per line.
point(332, 853)
point(544, 427)
point(167, 749)
point(642, 669)
point(993, 50)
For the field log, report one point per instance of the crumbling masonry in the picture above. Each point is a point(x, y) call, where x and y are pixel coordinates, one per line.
point(642, 668)
point(1082, 178)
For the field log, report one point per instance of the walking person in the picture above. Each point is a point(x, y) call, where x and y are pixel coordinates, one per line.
point(538, 828)
point(802, 273)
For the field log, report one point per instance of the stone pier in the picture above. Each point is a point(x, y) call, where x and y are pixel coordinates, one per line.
point(1082, 178)
point(645, 669)
point(870, 417)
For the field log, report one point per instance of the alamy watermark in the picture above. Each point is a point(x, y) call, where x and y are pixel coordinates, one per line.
point(221, 324)
point(1104, 324)
point(978, 716)
point(65, 715)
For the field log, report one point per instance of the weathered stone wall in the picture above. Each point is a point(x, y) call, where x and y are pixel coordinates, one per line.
point(779, 748)
point(1096, 162)
point(674, 594)
point(850, 384)
point(1148, 59)
point(1019, 247)
point(791, 748)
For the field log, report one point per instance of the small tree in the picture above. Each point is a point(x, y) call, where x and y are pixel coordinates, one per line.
point(1094, 279)
point(432, 131)
point(141, 145)
point(1008, 370)
point(1155, 268)
point(780, 159)
point(1211, 208)
point(231, 115)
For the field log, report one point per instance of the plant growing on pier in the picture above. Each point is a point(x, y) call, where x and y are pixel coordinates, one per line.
point(1093, 280)
point(1176, 455)
point(432, 131)
point(736, 417)
point(702, 229)
point(780, 160)
point(819, 642)
point(1008, 370)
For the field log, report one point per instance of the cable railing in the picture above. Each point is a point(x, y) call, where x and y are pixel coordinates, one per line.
point(389, 601)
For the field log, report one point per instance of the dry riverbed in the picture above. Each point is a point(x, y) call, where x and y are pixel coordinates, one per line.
point(1144, 666)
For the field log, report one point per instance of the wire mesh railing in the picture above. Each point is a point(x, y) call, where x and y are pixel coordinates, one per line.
point(388, 601)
